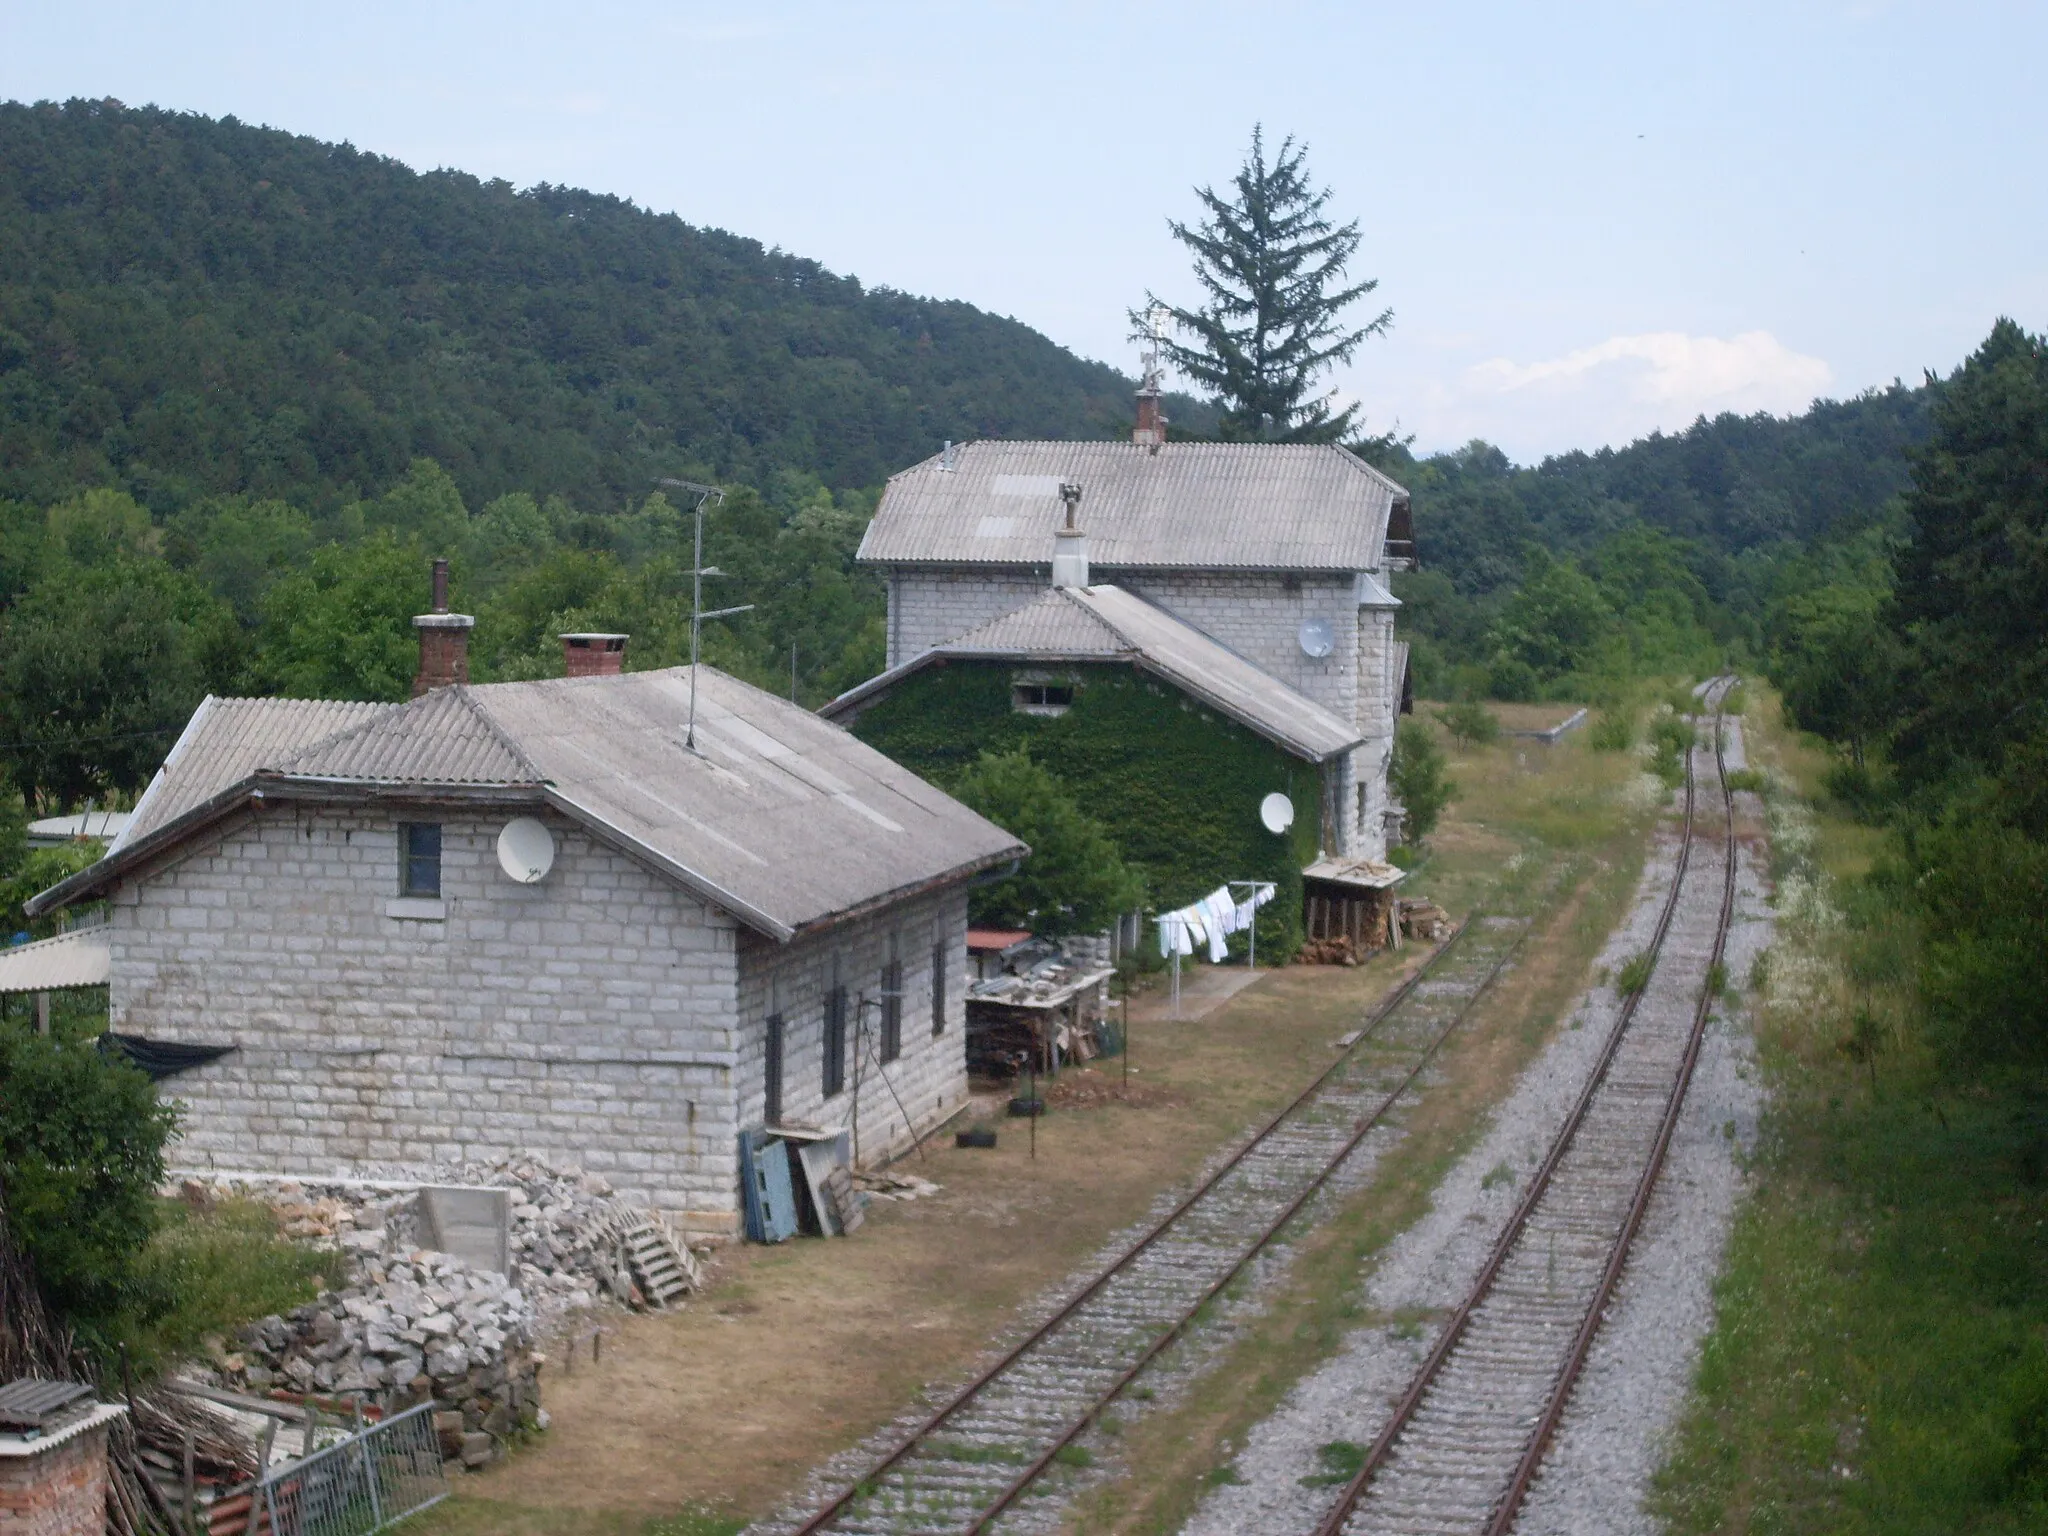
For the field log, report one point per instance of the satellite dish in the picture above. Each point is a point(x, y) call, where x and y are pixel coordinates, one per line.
point(526, 850)
point(1318, 639)
point(1277, 812)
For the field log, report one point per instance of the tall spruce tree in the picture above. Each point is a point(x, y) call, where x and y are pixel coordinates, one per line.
point(1272, 265)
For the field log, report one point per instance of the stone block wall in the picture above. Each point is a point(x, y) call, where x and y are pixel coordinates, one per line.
point(588, 1018)
point(930, 607)
point(1259, 615)
point(926, 1083)
point(55, 1488)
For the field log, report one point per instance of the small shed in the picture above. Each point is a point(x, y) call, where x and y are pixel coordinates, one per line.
point(1042, 1004)
point(1348, 907)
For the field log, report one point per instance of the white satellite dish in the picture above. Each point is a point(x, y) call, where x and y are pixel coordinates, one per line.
point(526, 850)
point(1317, 638)
point(1277, 812)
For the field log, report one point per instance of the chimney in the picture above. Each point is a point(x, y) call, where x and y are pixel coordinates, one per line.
point(593, 655)
point(1151, 428)
point(1070, 544)
point(444, 640)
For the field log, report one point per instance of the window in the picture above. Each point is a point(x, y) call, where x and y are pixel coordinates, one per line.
point(419, 858)
point(892, 1008)
point(771, 1073)
point(938, 989)
point(835, 1041)
point(1041, 698)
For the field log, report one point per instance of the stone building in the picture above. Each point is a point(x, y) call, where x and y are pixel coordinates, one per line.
point(1279, 553)
point(613, 919)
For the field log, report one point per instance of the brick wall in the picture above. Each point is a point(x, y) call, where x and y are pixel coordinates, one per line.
point(929, 1079)
point(60, 1490)
point(589, 1018)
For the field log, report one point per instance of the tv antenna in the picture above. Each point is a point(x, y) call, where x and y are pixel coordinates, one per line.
point(707, 495)
point(1156, 318)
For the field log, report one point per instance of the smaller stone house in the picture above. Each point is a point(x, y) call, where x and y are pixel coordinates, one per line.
point(610, 919)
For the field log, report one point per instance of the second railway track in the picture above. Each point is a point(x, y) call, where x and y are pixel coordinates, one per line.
point(1465, 1441)
point(964, 1466)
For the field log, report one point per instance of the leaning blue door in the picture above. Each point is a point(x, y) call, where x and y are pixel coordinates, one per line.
point(768, 1198)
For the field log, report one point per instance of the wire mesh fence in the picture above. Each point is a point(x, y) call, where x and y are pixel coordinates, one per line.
point(359, 1485)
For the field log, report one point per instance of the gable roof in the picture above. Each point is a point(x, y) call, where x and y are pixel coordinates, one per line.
point(1106, 623)
point(777, 816)
point(1187, 506)
point(225, 741)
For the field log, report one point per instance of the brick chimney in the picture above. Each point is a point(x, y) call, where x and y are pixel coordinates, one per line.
point(1151, 429)
point(592, 655)
point(444, 640)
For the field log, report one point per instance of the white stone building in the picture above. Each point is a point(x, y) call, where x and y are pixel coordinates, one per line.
point(1278, 552)
point(768, 926)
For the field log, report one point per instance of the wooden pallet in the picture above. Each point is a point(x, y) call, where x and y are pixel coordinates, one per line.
point(662, 1264)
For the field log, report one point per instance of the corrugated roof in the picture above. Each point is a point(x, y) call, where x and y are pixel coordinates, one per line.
point(1106, 623)
point(787, 814)
point(225, 741)
point(1366, 874)
point(442, 737)
point(80, 958)
point(779, 816)
point(1189, 506)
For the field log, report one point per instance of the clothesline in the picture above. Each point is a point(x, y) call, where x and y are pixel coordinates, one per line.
point(1211, 920)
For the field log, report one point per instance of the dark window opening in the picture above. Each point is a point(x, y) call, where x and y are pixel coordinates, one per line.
point(419, 858)
point(938, 990)
point(1042, 698)
point(835, 1041)
point(892, 1010)
point(771, 1073)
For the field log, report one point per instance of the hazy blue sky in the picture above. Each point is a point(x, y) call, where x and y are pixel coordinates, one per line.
point(1590, 221)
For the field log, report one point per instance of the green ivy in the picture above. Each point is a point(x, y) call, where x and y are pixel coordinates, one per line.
point(1176, 785)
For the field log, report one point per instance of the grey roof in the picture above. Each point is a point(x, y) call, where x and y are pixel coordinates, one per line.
point(224, 742)
point(1189, 506)
point(81, 958)
point(779, 817)
point(1106, 623)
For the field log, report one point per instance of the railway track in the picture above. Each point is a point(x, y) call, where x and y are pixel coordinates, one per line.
point(1468, 1436)
point(964, 1466)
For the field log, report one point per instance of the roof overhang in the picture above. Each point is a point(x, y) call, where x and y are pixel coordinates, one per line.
point(258, 791)
point(81, 958)
point(1358, 874)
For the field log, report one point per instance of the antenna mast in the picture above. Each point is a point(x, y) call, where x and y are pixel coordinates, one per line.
point(1151, 428)
point(706, 495)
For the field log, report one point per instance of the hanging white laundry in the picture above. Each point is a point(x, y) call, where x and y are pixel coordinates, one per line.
point(1247, 909)
point(1217, 911)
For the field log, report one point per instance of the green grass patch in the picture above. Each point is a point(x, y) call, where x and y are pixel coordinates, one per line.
point(218, 1269)
point(1074, 1456)
point(1340, 1460)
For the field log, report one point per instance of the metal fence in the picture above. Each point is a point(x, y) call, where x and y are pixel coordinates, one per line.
point(358, 1486)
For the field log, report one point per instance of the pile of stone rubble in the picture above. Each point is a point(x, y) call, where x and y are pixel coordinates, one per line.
point(411, 1324)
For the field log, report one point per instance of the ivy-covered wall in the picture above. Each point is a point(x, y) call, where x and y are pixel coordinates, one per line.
point(1177, 785)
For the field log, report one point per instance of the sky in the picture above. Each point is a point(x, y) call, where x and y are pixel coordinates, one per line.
point(1590, 221)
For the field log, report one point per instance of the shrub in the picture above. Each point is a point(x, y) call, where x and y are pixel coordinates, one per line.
point(1634, 974)
point(81, 1153)
point(1671, 738)
point(1613, 729)
point(1418, 779)
point(1511, 680)
point(1075, 880)
point(1471, 722)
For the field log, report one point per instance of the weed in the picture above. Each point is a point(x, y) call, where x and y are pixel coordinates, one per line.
point(1634, 974)
point(1747, 778)
point(1500, 1173)
point(696, 1521)
point(1613, 729)
point(1717, 979)
point(978, 1455)
point(1074, 1456)
point(1341, 1460)
point(1225, 1476)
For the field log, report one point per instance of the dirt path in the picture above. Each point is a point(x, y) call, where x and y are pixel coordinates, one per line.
point(799, 1351)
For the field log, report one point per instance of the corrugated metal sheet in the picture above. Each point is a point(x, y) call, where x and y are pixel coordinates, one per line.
point(225, 741)
point(1365, 874)
point(440, 738)
point(77, 959)
point(1107, 623)
point(1190, 506)
point(784, 811)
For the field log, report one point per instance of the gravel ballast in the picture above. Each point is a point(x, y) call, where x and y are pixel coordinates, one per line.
point(1612, 1438)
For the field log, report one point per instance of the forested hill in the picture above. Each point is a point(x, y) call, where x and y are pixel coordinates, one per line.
point(191, 308)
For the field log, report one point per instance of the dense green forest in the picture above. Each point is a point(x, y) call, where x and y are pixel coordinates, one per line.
point(193, 308)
